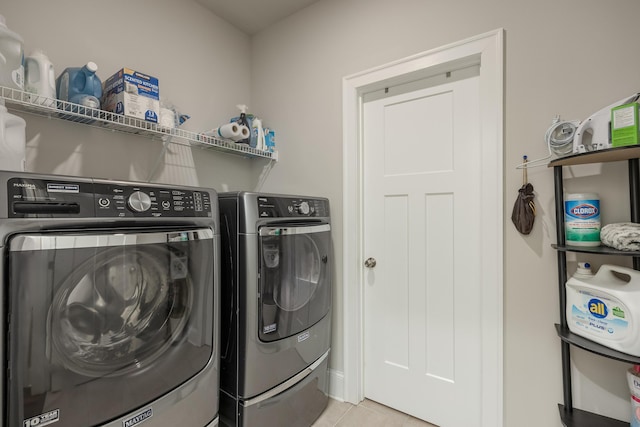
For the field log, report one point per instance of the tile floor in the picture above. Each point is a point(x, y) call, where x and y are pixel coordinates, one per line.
point(368, 413)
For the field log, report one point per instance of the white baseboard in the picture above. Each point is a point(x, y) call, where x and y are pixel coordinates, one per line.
point(336, 385)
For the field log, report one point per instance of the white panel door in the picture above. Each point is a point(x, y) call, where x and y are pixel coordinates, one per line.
point(422, 348)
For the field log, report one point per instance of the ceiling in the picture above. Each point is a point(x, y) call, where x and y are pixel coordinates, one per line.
point(251, 16)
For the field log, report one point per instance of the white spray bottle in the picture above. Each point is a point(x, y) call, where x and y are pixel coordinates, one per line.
point(258, 130)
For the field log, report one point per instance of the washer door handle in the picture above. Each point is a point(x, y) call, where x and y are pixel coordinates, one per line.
point(370, 262)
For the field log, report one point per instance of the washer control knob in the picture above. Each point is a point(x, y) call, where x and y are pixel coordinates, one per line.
point(139, 201)
point(304, 208)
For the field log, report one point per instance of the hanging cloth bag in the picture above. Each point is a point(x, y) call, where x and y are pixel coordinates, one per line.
point(524, 209)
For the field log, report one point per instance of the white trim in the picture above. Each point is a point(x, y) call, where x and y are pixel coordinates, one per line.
point(489, 47)
point(336, 385)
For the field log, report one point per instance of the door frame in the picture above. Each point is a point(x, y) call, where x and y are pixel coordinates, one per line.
point(487, 50)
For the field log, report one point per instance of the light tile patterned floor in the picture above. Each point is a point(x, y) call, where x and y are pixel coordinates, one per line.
point(368, 413)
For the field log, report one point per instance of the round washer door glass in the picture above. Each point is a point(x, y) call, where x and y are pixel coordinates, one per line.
point(302, 275)
point(120, 308)
point(295, 279)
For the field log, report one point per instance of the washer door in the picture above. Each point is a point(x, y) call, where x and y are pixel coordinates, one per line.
point(118, 313)
point(106, 323)
point(295, 279)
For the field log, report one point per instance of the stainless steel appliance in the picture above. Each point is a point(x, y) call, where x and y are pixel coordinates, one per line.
point(110, 303)
point(276, 309)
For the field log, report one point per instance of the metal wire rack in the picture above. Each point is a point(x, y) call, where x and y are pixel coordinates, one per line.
point(54, 108)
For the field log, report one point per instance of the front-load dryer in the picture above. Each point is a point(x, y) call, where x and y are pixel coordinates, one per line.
point(110, 303)
point(276, 309)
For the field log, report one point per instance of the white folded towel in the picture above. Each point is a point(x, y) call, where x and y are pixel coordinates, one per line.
point(624, 236)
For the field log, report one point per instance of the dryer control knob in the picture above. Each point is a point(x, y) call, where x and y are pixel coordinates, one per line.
point(303, 208)
point(139, 201)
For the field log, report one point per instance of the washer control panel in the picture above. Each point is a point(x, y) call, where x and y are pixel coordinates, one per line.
point(127, 200)
point(42, 198)
point(292, 207)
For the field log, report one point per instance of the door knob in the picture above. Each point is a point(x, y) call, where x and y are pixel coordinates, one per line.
point(370, 263)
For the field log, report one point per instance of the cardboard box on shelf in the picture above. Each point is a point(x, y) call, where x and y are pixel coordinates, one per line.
point(133, 94)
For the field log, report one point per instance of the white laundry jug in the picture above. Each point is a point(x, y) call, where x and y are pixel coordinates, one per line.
point(40, 78)
point(11, 57)
point(605, 307)
point(12, 141)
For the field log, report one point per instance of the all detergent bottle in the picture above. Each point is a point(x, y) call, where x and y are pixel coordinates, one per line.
point(12, 141)
point(11, 58)
point(605, 307)
point(39, 78)
point(80, 85)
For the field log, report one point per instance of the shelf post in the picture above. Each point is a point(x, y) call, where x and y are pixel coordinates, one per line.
point(560, 239)
point(634, 200)
point(562, 279)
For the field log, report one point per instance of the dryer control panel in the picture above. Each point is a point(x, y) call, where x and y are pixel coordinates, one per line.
point(292, 207)
point(42, 198)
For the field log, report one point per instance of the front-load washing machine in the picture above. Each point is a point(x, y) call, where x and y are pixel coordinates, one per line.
point(276, 309)
point(110, 303)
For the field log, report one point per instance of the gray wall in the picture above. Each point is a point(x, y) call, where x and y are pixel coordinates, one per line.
point(203, 67)
point(571, 58)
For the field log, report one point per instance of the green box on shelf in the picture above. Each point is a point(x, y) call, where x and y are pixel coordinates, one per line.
point(624, 125)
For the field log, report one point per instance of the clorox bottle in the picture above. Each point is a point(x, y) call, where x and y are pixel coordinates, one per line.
point(605, 307)
point(582, 219)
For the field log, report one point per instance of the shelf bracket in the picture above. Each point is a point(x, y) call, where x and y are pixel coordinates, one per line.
point(165, 144)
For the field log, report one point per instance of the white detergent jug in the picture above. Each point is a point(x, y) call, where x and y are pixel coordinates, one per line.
point(40, 78)
point(12, 141)
point(11, 57)
point(605, 307)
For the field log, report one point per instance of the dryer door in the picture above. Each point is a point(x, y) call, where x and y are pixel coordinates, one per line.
point(102, 324)
point(295, 279)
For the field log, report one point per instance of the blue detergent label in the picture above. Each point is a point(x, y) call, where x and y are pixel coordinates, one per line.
point(582, 220)
point(599, 316)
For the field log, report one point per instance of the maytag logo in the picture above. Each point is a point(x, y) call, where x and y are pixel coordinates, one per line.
point(137, 419)
point(303, 336)
point(25, 185)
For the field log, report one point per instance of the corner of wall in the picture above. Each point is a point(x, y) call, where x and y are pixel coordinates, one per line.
point(336, 385)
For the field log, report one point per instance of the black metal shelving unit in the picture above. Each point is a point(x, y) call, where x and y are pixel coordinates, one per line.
point(570, 416)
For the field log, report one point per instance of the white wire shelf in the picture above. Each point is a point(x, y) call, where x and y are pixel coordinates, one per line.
point(54, 108)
